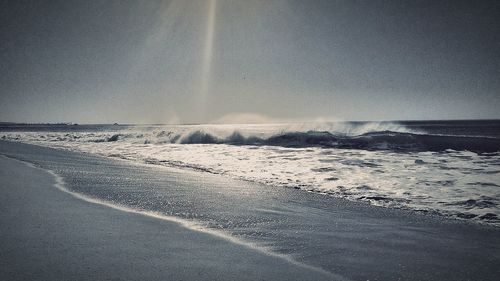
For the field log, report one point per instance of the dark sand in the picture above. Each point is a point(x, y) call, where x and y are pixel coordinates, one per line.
point(47, 234)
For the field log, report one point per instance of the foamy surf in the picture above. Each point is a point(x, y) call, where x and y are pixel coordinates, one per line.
point(451, 168)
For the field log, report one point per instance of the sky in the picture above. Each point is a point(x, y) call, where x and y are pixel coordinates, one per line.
point(202, 61)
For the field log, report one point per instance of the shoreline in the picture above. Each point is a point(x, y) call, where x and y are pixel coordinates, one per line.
point(263, 265)
point(439, 214)
point(456, 184)
point(190, 225)
point(355, 240)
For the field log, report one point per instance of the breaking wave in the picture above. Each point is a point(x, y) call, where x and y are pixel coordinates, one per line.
point(453, 167)
point(347, 135)
point(384, 140)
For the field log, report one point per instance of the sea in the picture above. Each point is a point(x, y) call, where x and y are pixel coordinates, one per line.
point(447, 168)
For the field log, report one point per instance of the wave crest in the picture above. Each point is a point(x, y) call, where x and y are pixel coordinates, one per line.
point(384, 140)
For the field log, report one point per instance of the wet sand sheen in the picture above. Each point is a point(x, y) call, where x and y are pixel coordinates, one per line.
point(351, 239)
point(50, 235)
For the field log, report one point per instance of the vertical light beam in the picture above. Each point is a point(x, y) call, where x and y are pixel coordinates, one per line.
point(207, 55)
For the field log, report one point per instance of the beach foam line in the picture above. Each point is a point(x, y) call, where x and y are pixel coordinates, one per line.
point(189, 224)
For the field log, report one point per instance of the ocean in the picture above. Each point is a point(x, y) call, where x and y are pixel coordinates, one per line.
point(448, 168)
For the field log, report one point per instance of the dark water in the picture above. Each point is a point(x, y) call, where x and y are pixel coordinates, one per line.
point(482, 128)
point(481, 136)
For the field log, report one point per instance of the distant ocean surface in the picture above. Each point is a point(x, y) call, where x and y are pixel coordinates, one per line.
point(446, 167)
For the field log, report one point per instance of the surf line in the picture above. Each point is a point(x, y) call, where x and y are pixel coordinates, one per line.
point(191, 225)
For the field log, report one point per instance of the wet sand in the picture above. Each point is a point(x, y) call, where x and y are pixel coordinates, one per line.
point(349, 239)
point(47, 234)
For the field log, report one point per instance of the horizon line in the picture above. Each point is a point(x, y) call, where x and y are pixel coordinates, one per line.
point(246, 123)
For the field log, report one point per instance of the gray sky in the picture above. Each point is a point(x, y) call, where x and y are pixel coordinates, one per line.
point(204, 60)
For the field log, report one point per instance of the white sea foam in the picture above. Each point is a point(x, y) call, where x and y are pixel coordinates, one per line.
point(459, 183)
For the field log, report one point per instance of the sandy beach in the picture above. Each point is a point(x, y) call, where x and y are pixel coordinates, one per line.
point(248, 231)
point(47, 234)
point(250, 140)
